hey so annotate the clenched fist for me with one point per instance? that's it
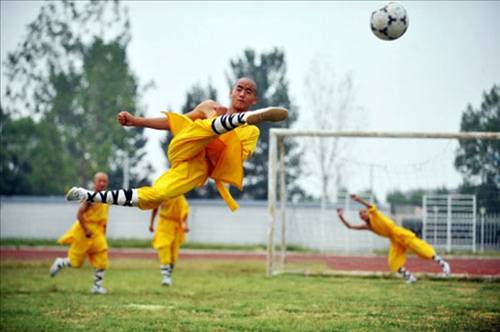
(125, 118)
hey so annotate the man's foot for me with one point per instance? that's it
(98, 290)
(56, 267)
(167, 281)
(272, 114)
(76, 194)
(446, 269)
(411, 280)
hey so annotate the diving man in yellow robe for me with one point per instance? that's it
(210, 141)
(87, 238)
(401, 239)
(169, 233)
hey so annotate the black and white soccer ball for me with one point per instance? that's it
(390, 21)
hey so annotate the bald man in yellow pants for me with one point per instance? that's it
(401, 239)
(210, 141)
(169, 234)
(87, 239)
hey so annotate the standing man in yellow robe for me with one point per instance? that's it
(210, 141)
(87, 238)
(169, 234)
(401, 239)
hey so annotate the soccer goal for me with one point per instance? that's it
(304, 230)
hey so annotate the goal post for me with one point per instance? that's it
(276, 164)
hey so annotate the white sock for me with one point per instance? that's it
(123, 197)
(98, 278)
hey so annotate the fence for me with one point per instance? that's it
(487, 231)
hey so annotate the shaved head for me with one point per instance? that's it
(243, 95)
(246, 81)
(100, 181)
(100, 175)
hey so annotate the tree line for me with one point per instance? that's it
(70, 76)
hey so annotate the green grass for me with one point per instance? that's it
(132, 243)
(236, 296)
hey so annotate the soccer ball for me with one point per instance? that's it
(390, 21)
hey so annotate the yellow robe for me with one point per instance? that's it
(169, 234)
(197, 153)
(95, 247)
(401, 239)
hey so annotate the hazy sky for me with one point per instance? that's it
(421, 82)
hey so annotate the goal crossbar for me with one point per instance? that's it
(276, 137)
(383, 134)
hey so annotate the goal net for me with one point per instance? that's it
(409, 176)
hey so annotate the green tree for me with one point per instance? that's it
(74, 83)
(479, 160)
(28, 163)
(413, 196)
(268, 70)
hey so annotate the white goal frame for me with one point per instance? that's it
(277, 149)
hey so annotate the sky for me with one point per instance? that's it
(423, 81)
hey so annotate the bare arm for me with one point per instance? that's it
(81, 219)
(358, 199)
(340, 213)
(128, 120)
(207, 109)
(152, 220)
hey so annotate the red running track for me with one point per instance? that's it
(462, 266)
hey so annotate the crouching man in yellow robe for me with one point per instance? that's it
(169, 234)
(401, 239)
(87, 238)
(210, 141)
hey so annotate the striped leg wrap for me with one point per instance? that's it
(227, 122)
(98, 277)
(166, 270)
(438, 259)
(64, 262)
(123, 197)
(405, 273)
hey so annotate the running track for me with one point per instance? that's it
(469, 267)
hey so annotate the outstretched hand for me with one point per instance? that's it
(340, 212)
(354, 197)
(125, 118)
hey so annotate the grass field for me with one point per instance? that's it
(236, 296)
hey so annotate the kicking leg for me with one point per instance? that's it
(123, 197)
(225, 123)
(180, 179)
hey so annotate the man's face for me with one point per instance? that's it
(100, 182)
(243, 95)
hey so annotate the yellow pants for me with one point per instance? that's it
(167, 241)
(186, 153)
(95, 248)
(397, 252)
